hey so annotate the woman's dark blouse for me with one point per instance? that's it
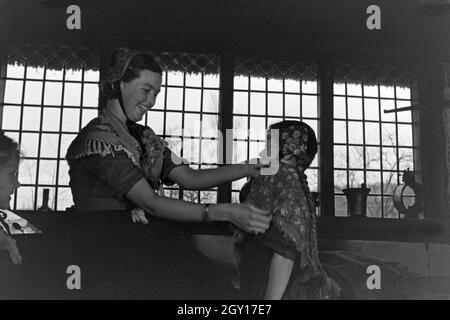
(102, 182)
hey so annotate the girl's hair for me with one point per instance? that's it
(8, 149)
(311, 146)
(142, 61)
(126, 66)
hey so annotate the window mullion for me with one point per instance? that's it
(326, 154)
(226, 118)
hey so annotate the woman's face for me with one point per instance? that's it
(8, 181)
(139, 95)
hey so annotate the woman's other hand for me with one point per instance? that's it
(138, 216)
(7, 243)
(249, 218)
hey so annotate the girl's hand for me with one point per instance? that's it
(138, 216)
(249, 218)
(7, 243)
(253, 167)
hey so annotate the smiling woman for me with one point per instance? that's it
(118, 167)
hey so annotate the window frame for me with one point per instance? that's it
(396, 171)
(262, 65)
(37, 186)
(325, 66)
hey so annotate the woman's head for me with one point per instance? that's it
(9, 163)
(134, 77)
(296, 140)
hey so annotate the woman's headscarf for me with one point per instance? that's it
(119, 64)
(296, 139)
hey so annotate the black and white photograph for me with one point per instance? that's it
(224, 151)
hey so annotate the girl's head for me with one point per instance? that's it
(9, 163)
(296, 142)
(134, 77)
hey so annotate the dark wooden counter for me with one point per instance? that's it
(345, 228)
(46, 256)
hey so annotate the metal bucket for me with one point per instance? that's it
(356, 201)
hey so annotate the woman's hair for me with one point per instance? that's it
(8, 149)
(311, 145)
(125, 65)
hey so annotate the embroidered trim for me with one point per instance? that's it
(95, 146)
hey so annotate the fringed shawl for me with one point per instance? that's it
(106, 135)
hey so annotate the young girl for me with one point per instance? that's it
(9, 163)
(291, 268)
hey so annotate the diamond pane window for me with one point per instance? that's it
(371, 146)
(50, 93)
(267, 92)
(186, 115)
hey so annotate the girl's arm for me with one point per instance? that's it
(7, 243)
(245, 216)
(279, 275)
(208, 178)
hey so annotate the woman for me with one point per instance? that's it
(293, 270)
(9, 163)
(117, 164)
(284, 263)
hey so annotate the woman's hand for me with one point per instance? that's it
(249, 218)
(253, 167)
(7, 243)
(138, 216)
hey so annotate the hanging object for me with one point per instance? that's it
(410, 192)
(357, 201)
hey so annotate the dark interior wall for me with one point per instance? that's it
(266, 27)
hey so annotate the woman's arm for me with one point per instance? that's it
(244, 216)
(279, 275)
(209, 178)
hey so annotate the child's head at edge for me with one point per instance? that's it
(9, 163)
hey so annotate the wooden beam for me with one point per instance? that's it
(326, 151)
(226, 117)
(430, 93)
